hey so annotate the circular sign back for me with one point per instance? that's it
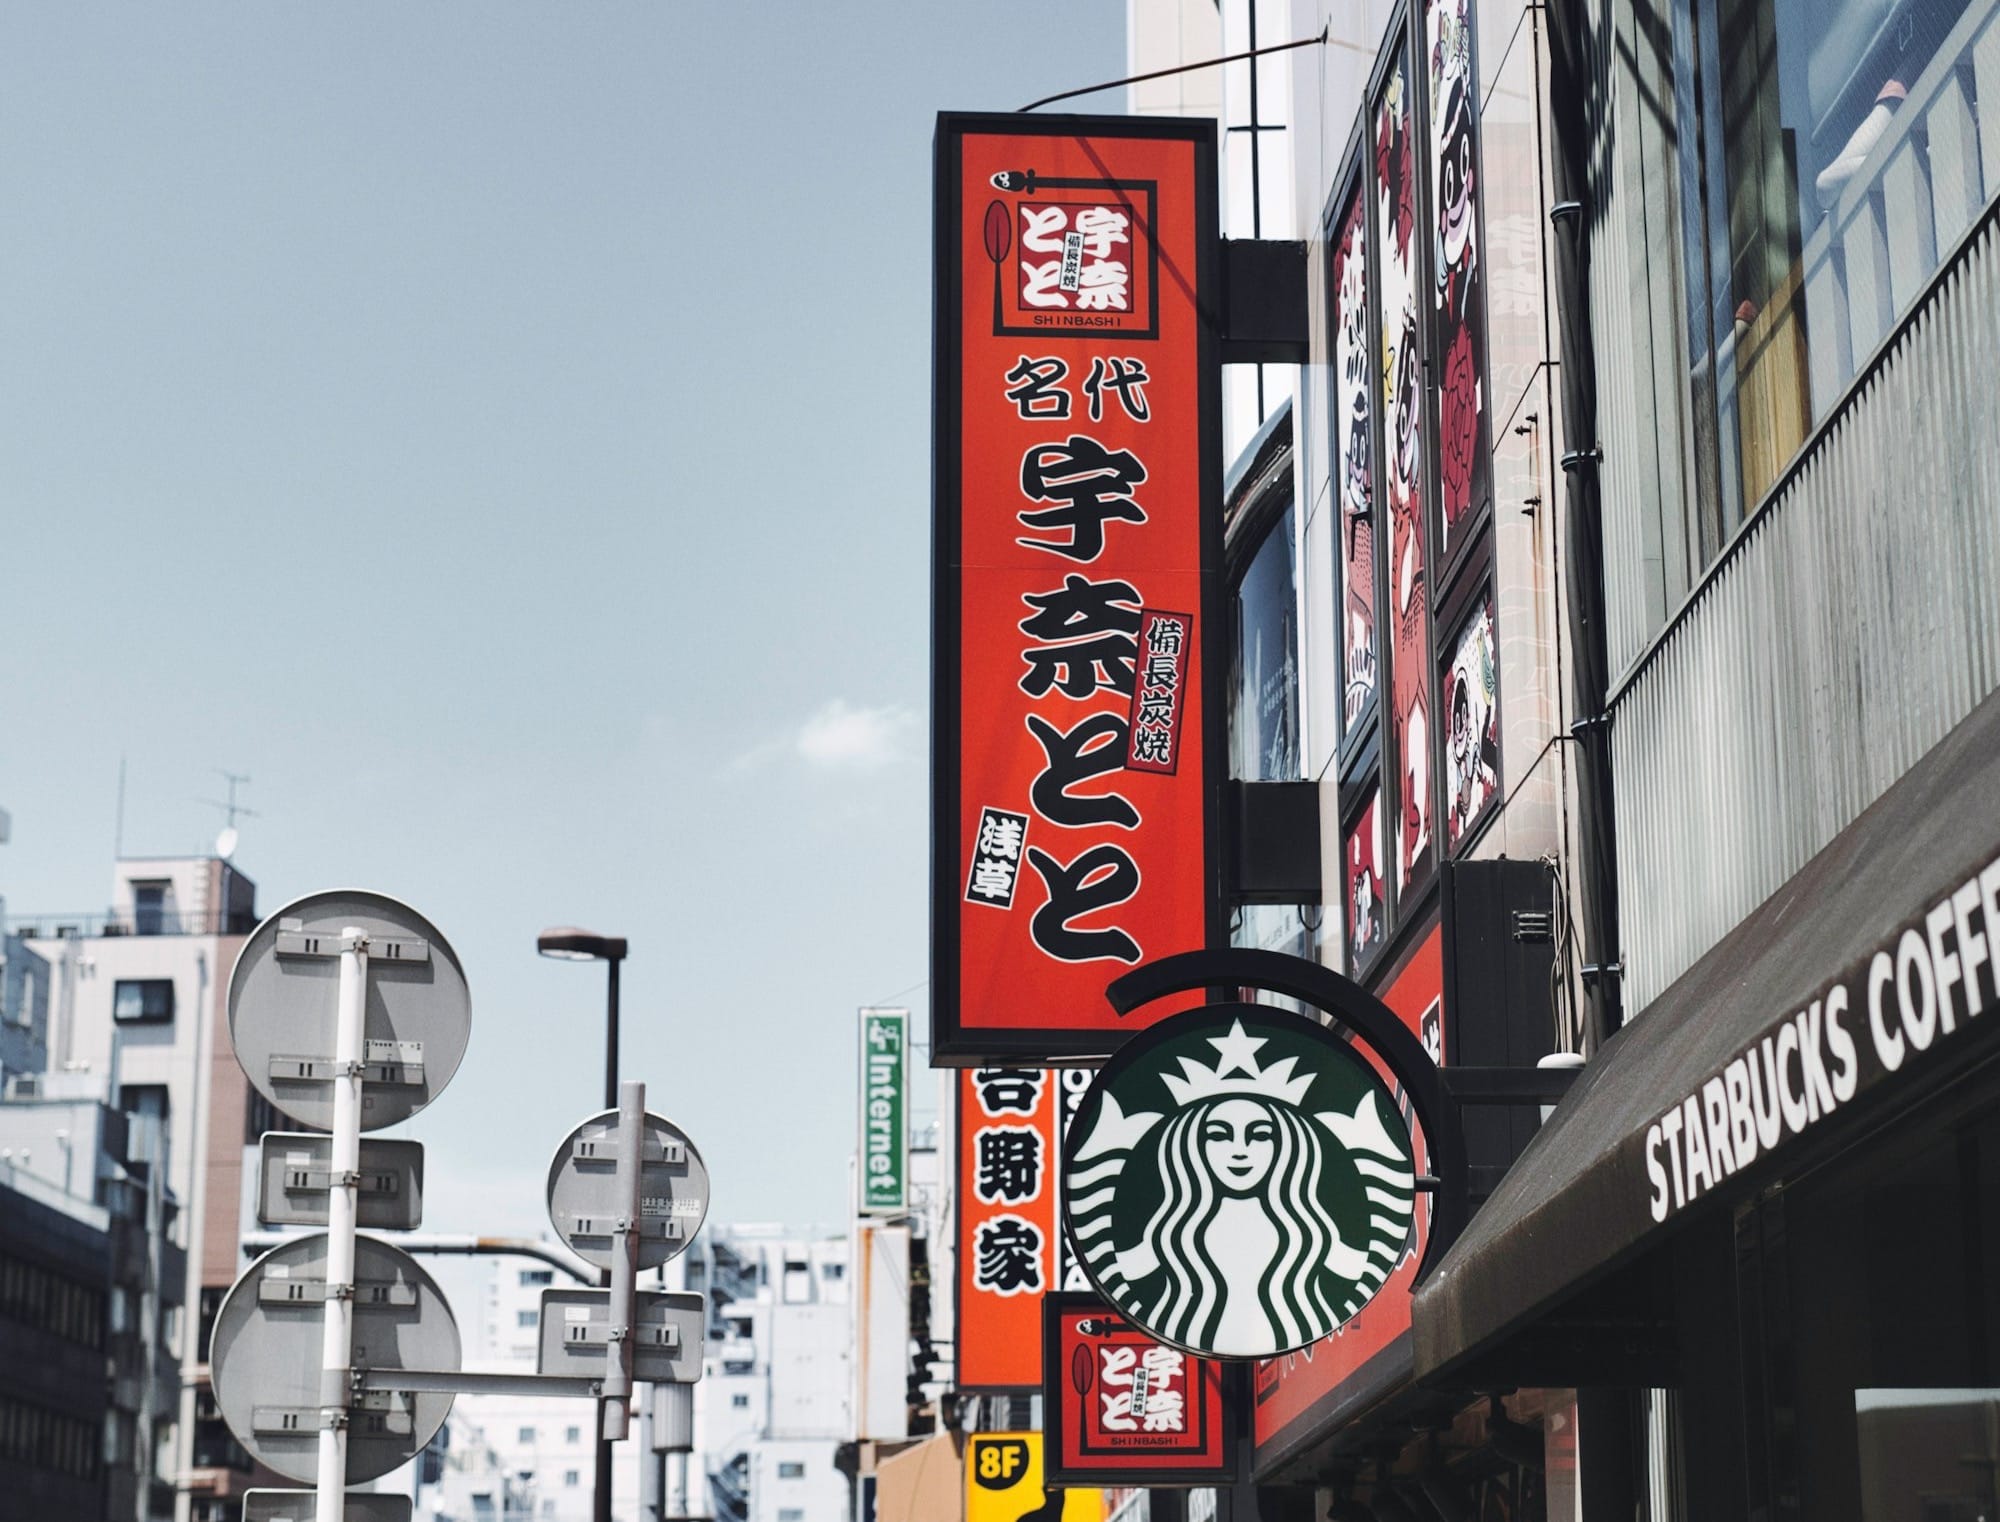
(284, 992)
(1239, 1181)
(264, 1360)
(584, 1205)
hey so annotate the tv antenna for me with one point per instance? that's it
(225, 842)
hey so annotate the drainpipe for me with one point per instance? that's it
(1577, 100)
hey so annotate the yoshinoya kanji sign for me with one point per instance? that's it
(1008, 1130)
(1120, 1408)
(1239, 1184)
(1076, 765)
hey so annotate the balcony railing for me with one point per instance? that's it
(83, 927)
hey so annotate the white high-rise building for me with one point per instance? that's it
(772, 1407)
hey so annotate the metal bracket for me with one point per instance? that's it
(661, 1228)
(294, 940)
(465, 1382)
(321, 1180)
(604, 1149)
(382, 1062)
(1577, 458)
(589, 1334)
(1563, 209)
(1592, 971)
(364, 1292)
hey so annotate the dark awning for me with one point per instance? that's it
(1632, 1152)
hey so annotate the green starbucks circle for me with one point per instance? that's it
(1239, 1181)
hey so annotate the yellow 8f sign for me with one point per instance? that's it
(1004, 1484)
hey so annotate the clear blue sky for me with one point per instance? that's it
(502, 430)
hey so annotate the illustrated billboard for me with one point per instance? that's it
(1120, 1408)
(1077, 760)
(885, 1112)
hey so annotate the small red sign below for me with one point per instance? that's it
(1123, 1409)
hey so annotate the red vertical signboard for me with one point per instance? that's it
(1076, 758)
(1009, 1223)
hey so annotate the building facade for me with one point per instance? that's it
(1615, 589)
(772, 1408)
(1644, 551)
(138, 1021)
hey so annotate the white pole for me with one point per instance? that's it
(625, 1265)
(336, 1350)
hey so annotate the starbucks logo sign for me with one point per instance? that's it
(1239, 1181)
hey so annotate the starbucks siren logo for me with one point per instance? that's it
(1239, 1194)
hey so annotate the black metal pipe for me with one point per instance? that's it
(1577, 94)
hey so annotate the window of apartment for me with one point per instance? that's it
(532, 1276)
(740, 1402)
(791, 1514)
(833, 1270)
(148, 1126)
(1830, 157)
(571, 1479)
(572, 1434)
(142, 1001)
(525, 1435)
(149, 908)
(791, 1471)
(527, 1318)
(1264, 674)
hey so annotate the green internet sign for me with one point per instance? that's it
(885, 1112)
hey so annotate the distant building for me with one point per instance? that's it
(24, 1009)
(772, 1407)
(91, 1294)
(137, 1020)
(544, 1446)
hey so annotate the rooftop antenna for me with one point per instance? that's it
(225, 843)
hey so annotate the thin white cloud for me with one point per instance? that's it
(839, 736)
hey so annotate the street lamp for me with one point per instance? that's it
(569, 944)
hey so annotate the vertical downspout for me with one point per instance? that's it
(1578, 104)
(1611, 1420)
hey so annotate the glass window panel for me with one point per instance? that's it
(1836, 150)
(1264, 708)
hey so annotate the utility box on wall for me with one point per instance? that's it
(1499, 952)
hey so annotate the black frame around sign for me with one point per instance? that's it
(1039, 1046)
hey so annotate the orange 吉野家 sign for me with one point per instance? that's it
(1076, 754)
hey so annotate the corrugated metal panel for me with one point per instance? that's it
(1850, 626)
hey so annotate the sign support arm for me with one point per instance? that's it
(337, 1328)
